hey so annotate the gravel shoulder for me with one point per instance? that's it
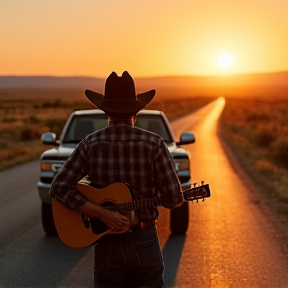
(271, 209)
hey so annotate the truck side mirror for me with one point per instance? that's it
(49, 139)
(186, 138)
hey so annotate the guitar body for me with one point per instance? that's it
(77, 230)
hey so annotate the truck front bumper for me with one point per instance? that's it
(43, 191)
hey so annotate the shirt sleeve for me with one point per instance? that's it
(168, 184)
(63, 186)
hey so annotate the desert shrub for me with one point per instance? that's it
(33, 119)
(257, 116)
(55, 125)
(266, 168)
(264, 137)
(280, 153)
(74, 106)
(29, 133)
(236, 129)
(9, 119)
(56, 103)
(3, 144)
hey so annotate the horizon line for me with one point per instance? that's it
(143, 77)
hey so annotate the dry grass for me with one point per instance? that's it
(27, 113)
(24, 116)
(257, 131)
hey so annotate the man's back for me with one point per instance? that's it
(139, 158)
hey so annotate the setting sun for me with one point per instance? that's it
(225, 60)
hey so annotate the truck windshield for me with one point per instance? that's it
(82, 125)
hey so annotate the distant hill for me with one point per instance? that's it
(266, 84)
(48, 82)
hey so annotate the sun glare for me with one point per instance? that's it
(225, 60)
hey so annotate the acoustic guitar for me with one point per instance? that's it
(78, 230)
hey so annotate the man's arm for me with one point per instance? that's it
(168, 182)
(63, 190)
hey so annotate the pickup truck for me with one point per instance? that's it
(83, 122)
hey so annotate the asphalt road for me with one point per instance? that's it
(231, 241)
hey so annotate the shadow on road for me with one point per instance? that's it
(172, 252)
(49, 261)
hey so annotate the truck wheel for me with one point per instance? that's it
(179, 219)
(47, 219)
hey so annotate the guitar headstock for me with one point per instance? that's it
(197, 192)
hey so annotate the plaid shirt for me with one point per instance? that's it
(120, 153)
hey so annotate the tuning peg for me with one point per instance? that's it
(202, 182)
(195, 184)
(203, 199)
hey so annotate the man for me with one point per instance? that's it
(123, 153)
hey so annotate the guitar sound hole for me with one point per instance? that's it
(97, 225)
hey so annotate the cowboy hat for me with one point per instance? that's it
(120, 95)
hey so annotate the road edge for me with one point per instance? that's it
(269, 208)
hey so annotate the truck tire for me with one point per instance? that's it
(179, 219)
(47, 219)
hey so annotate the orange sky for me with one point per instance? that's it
(145, 37)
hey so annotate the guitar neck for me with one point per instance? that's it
(191, 194)
(139, 204)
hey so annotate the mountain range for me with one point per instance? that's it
(265, 84)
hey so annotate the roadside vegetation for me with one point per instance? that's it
(256, 130)
(25, 114)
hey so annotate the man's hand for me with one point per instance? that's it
(113, 219)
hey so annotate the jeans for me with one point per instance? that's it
(132, 259)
